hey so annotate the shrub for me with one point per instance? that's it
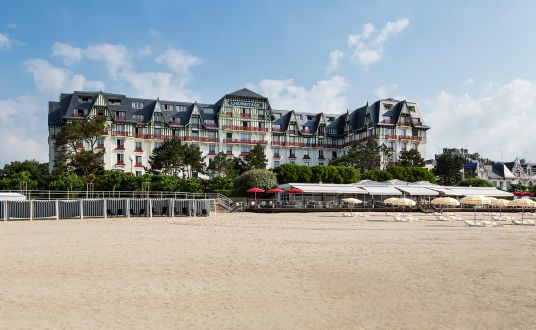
(256, 178)
(475, 182)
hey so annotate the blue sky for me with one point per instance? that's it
(469, 66)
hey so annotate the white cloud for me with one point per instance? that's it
(115, 57)
(335, 58)
(324, 96)
(24, 130)
(178, 60)
(154, 33)
(367, 47)
(52, 80)
(158, 84)
(69, 54)
(501, 119)
(386, 91)
(469, 81)
(5, 42)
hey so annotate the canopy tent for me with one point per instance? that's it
(382, 190)
(328, 188)
(483, 191)
(417, 190)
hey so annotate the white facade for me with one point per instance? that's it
(234, 125)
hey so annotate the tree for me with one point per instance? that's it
(35, 175)
(112, 179)
(67, 181)
(448, 169)
(256, 158)
(219, 183)
(169, 157)
(377, 175)
(410, 158)
(164, 182)
(256, 178)
(193, 159)
(475, 182)
(70, 156)
(411, 173)
(221, 165)
(364, 156)
(286, 173)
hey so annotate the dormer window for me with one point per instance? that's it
(208, 111)
(157, 118)
(309, 117)
(114, 101)
(83, 99)
(330, 119)
(137, 105)
(138, 118)
(168, 107)
(180, 108)
(387, 106)
(79, 112)
(120, 115)
(261, 112)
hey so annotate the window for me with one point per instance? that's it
(277, 115)
(276, 128)
(330, 119)
(261, 112)
(212, 134)
(262, 124)
(276, 163)
(245, 136)
(120, 144)
(157, 144)
(157, 132)
(276, 152)
(138, 146)
(138, 173)
(114, 101)
(403, 132)
(79, 113)
(334, 154)
(195, 134)
(321, 154)
(229, 149)
(100, 142)
(292, 162)
(138, 118)
(121, 115)
(309, 117)
(208, 111)
(195, 120)
(137, 105)
(82, 99)
(306, 152)
(120, 159)
(120, 127)
(262, 137)
(138, 160)
(180, 107)
(292, 153)
(228, 135)
(321, 163)
(229, 123)
(245, 124)
(211, 149)
(245, 149)
(168, 107)
(210, 123)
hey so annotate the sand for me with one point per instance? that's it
(268, 271)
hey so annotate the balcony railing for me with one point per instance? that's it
(138, 150)
(229, 113)
(390, 136)
(243, 154)
(405, 137)
(79, 114)
(212, 153)
(245, 115)
(306, 157)
(120, 133)
(240, 141)
(277, 130)
(120, 118)
(277, 156)
(138, 165)
(198, 138)
(404, 123)
(388, 121)
(418, 123)
(210, 125)
(175, 122)
(246, 128)
(120, 147)
(100, 146)
(292, 156)
(321, 157)
(120, 163)
(306, 131)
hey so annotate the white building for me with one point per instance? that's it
(234, 124)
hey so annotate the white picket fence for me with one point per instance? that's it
(103, 208)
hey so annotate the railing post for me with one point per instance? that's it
(57, 208)
(150, 208)
(171, 210)
(31, 210)
(104, 208)
(81, 209)
(127, 207)
(5, 210)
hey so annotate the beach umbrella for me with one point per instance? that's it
(475, 200)
(274, 191)
(500, 203)
(524, 203)
(445, 201)
(294, 191)
(255, 190)
(404, 202)
(352, 200)
(390, 200)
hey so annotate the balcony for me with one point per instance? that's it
(198, 138)
(405, 137)
(210, 125)
(246, 128)
(100, 146)
(120, 163)
(390, 136)
(79, 114)
(212, 153)
(120, 118)
(120, 147)
(229, 153)
(120, 133)
(240, 141)
(391, 149)
(416, 138)
(404, 123)
(175, 122)
(388, 121)
(245, 115)
(138, 150)
(306, 131)
(292, 157)
(79, 145)
(195, 126)
(138, 165)
(418, 123)
(229, 113)
(277, 130)
(243, 154)
(306, 157)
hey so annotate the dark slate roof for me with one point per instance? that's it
(357, 118)
(244, 92)
(284, 119)
(338, 124)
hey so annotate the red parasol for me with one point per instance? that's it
(255, 190)
(294, 191)
(275, 190)
(522, 193)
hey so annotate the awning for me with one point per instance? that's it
(322, 188)
(382, 190)
(484, 191)
(417, 190)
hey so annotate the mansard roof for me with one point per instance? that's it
(244, 92)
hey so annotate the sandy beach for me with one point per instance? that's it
(316, 270)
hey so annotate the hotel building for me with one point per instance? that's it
(234, 124)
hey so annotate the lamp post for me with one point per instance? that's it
(131, 165)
